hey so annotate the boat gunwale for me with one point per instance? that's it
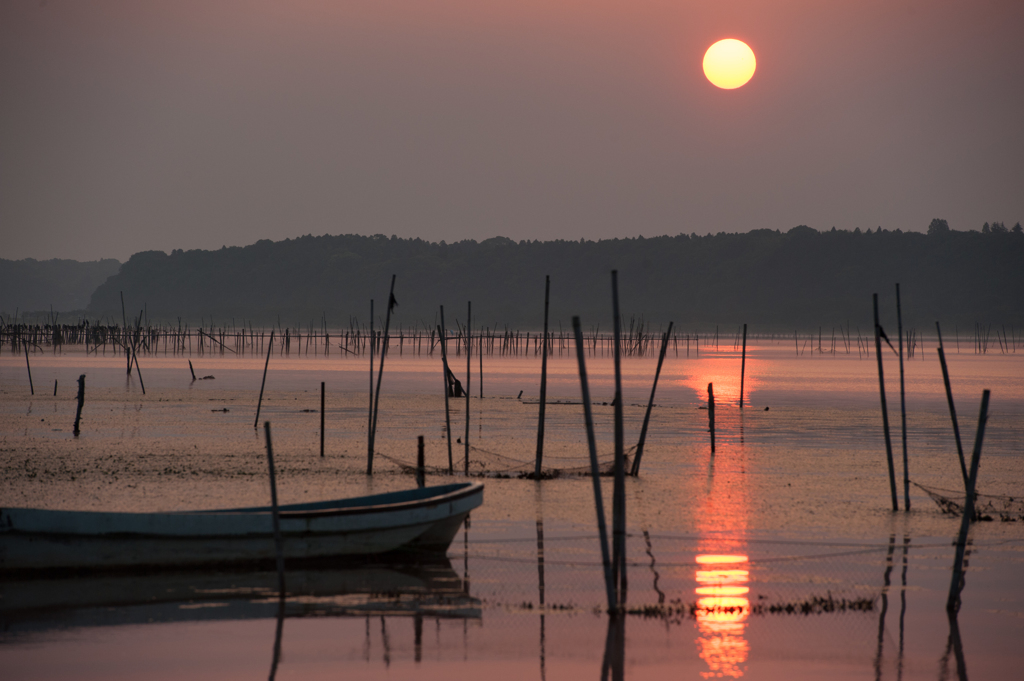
(291, 512)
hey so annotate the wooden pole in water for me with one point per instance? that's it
(543, 382)
(635, 470)
(28, 366)
(952, 407)
(81, 402)
(278, 543)
(619, 489)
(369, 418)
(903, 404)
(193, 371)
(743, 364)
(957, 584)
(380, 373)
(421, 473)
(595, 470)
(443, 338)
(322, 401)
(469, 366)
(55, 387)
(711, 415)
(259, 404)
(885, 410)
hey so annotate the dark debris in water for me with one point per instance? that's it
(676, 610)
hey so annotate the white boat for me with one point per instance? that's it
(425, 519)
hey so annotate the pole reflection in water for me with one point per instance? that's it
(953, 645)
(614, 661)
(278, 632)
(540, 589)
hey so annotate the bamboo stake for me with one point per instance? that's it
(619, 489)
(957, 584)
(711, 415)
(952, 407)
(469, 366)
(635, 470)
(421, 473)
(28, 366)
(270, 349)
(885, 410)
(743, 362)
(81, 402)
(903, 404)
(443, 340)
(543, 381)
(369, 417)
(595, 471)
(380, 373)
(322, 401)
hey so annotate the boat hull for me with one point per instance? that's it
(425, 519)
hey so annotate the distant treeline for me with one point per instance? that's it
(37, 285)
(776, 281)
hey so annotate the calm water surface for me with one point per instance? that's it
(792, 513)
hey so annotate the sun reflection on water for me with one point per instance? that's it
(723, 568)
(722, 612)
(724, 373)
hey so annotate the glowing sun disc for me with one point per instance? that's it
(729, 63)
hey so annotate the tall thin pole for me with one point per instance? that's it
(28, 366)
(711, 414)
(595, 470)
(322, 400)
(743, 363)
(259, 404)
(619, 490)
(952, 407)
(469, 366)
(278, 543)
(635, 470)
(369, 417)
(380, 373)
(443, 338)
(421, 473)
(885, 410)
(957, 584)
(543, 381)
(903, 404)
(81, 401)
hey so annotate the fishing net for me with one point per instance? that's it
(986, 506)
(487, 464)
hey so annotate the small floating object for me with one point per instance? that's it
(225, 410)
(207, 378)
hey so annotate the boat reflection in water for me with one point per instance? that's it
(426, 587)
(722, 612)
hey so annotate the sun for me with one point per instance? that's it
(729, 63)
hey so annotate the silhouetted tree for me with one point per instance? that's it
(938, 227)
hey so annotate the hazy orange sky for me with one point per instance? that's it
(128, 126)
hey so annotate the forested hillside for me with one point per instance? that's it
(772, 280)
